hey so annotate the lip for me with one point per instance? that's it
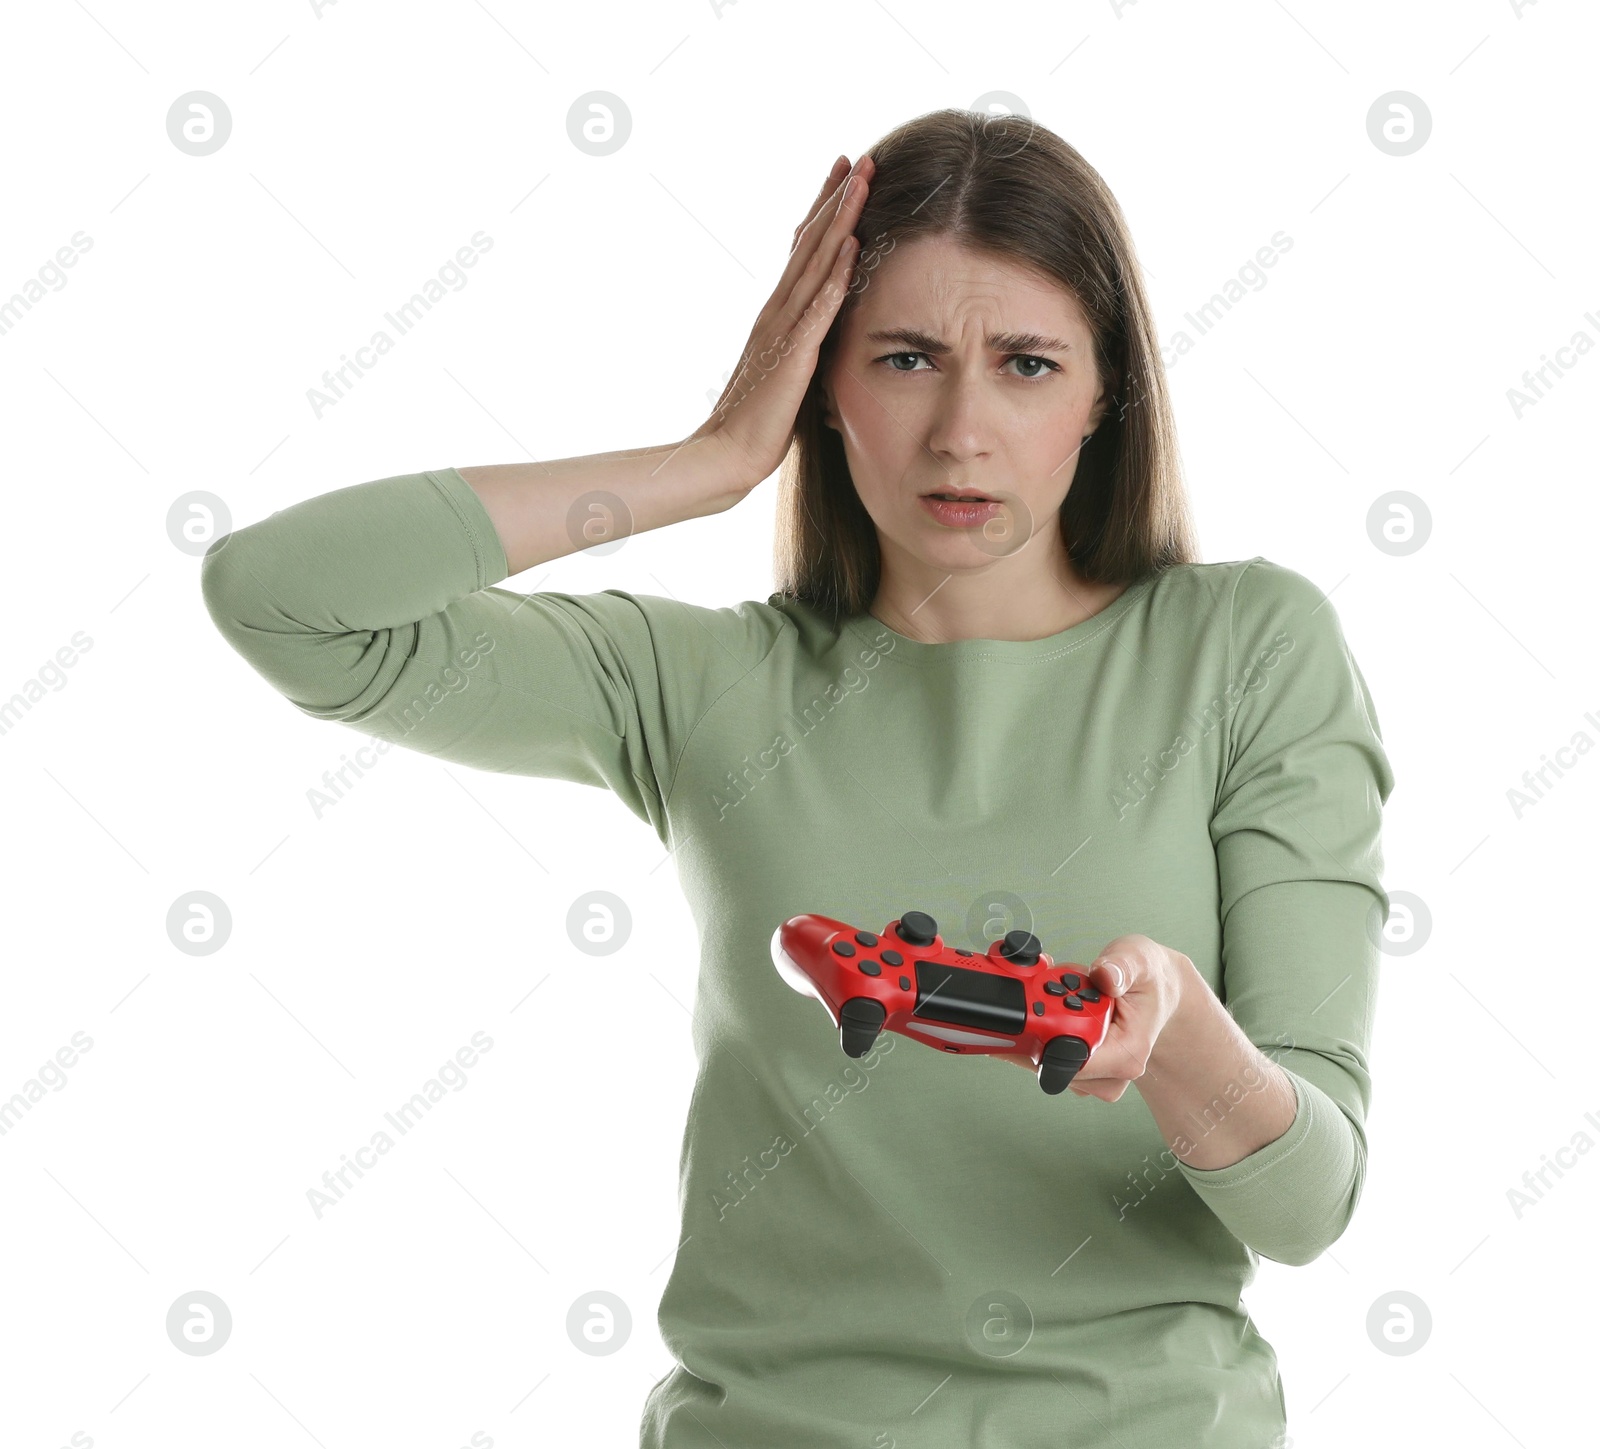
(950, 514)
(965, 493)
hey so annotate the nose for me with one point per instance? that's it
(963, 423)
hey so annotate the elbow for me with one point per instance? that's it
(1308, 1246)
(223, 581)
(1297, 1254)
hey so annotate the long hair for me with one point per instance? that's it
(1007, 186)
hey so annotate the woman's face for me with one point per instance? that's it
(960, 371)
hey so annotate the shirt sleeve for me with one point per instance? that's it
(1296, 826)
(375, 606)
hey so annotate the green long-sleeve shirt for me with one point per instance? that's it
(917, 1248)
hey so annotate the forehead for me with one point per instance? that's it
(932, 280)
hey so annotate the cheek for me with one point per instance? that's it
(876, 432)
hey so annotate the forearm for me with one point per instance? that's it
(1214, 1094)
(545, 510)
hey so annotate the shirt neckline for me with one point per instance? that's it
(1006, 651)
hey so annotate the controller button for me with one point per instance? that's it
(1055, 988)
(892, 958)
(866, 938)
(1038, 1008)
(918, 928)
(1072, 1003)
(905, 982)
(844, 948)
(1089, 993)
(1071, 982)
(960, 952)
(869, 967)
(1021, 948)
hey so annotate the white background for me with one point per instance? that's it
(367, 946)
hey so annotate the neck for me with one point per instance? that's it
(1030, 594)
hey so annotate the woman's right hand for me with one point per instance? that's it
(753, 421)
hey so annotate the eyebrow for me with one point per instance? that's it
(919, 341)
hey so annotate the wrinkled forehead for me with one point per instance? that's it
(939, 285)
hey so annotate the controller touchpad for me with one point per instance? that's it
(970, 998)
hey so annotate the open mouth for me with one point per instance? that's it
(962, 497)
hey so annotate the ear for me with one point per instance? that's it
(830, 416)
(1101, 403)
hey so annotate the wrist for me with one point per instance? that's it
(726, 473)
(1191, 997)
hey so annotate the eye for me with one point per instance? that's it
(1037, 367)
(1044, 362)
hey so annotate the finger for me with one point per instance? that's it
(808, 233)
(799, 334)
(817, 245)
(811, 326)
(830, 183)
(863, 167)
(821, 287)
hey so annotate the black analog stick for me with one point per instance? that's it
(1021, 948)
(917, 928)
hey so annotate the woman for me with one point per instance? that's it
(1035, 710)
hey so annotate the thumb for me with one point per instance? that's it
(1111, 976)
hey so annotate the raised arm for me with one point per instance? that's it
(374, 605)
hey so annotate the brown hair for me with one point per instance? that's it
(1005, 185)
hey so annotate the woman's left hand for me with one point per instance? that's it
(1148, 981)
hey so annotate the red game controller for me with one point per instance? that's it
(1014, 999)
